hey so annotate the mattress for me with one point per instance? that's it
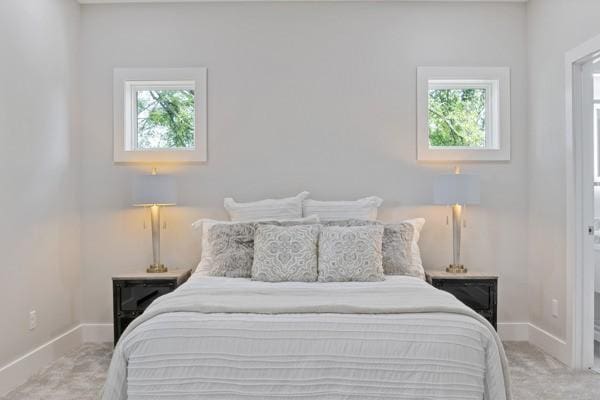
(225, 338)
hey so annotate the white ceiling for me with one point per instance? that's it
(316, 1)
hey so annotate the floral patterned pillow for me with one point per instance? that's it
(351, 253)
(284, 254)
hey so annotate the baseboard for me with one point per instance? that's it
(513, 331)
(18, 371)
(527, 332)
(550, 344)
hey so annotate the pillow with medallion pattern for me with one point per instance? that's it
(351, 253)
(285, 253)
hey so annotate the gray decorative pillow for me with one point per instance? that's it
(398, 257)
(232, 246)
(351, 254)
(399, 248)
(284, 254)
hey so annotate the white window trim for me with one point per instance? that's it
(497, 80)
(126, 79)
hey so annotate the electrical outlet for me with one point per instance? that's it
(555, 308)
(32, 320)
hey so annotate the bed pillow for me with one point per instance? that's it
(268, 209)
(285, 253)
(232, 249)
(400, 248)
(351, 253)
(340, 210)
(229, 247)
(401, 255)
(204, 225)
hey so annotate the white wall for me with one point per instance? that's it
(554, 27)
(302, 96)
(39, 174)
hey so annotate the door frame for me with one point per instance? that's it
(579, 212)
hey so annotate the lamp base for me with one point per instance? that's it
(456, 269)
(157, 268)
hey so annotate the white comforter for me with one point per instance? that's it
(223, 338)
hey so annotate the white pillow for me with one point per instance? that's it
(417, 223)
(204, 225)
(276, 209)
(339, 210)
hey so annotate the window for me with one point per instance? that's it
(463, 114)
(160, 115)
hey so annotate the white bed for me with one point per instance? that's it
(232, 338)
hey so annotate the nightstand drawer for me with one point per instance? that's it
(476, 295)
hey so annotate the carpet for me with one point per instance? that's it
(536, 376)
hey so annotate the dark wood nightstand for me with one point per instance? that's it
(478, 291)
(133, 293)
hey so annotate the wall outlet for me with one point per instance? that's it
(555, 308)
(32, 320)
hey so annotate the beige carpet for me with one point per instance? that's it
(536, 376)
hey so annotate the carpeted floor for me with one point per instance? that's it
(535, 376)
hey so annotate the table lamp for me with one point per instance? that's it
(154, 191)
(456, 190)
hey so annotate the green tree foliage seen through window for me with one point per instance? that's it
(457, 117)
(166, 119)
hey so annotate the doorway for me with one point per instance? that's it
(583, 203)
(593, 67)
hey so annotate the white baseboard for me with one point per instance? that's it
(527, 332)
(514, 331)
(97, 333)
(18, 371)
(550, 344)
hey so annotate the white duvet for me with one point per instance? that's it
(225, 338)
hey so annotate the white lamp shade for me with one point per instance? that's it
(151, 190)
(462, 189)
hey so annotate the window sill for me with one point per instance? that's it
(159, 156)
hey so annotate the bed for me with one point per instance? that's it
(234, 338)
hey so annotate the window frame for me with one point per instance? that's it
(494, 79)
(126, 83)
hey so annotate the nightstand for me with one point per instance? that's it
(133, 293)
(477, 291)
